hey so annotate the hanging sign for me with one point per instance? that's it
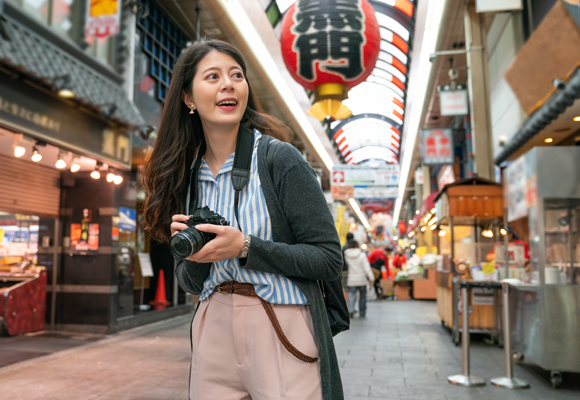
(515, 175)
(103, 18)
(437, 146)
(453, 102)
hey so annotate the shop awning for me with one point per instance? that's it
(28, 53)
(560, 100)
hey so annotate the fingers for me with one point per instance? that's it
(176, 227)
(180, 217)
(217, 229)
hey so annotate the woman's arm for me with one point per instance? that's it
(192, 275)
(367, 268)
(317, 253)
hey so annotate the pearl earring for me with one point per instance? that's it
(192, 110)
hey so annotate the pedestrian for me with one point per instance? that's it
(285, 243)
(359, 270)
(344, 275)
(378, 258)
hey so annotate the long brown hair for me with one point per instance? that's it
(180, 135)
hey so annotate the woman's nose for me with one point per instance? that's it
(227, 84)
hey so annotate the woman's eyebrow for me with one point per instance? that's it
(232, 67)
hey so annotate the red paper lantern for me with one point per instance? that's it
(402, 228)
(330, 46)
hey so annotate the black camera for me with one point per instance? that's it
(189, 241)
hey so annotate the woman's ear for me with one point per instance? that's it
(187, 99)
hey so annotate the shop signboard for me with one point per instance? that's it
(103, 18)
(145, 264)
(127, 219)
(84, 231)
(364, 183)
(437, 146)
(446, 176)
(46, 118)
(516, 188)
(453, 102)
(488, 6)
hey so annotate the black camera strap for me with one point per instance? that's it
(242, 166)
(240, 170)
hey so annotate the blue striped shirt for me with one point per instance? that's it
(218, 194)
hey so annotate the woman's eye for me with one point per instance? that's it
(238, 75)
(212, 76)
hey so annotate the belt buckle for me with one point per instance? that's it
(219, 289)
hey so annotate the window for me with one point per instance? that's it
(57, 13)
(161, 40)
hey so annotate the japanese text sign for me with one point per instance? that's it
(103, 18)
(437, 146)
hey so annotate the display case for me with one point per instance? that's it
(469, 215)
(545, 185)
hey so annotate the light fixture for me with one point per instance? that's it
(118, 179)
(442, 233)
(548, 140)
(358, 212)
(36, 156)
(487, 233)
(413, 247)
(411, 222)
(74, 166)
(363, 246)
(433, 210)
(502, 231)
(577, 119)
(423, 228)
(96, 174)
(433, 227)
(395, 238)
(110, 177)
(411, 234)
(417, 212)
(60, 164)
(65, 86)
(433, 220)
(18, 150)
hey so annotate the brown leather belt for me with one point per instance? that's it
(247, 289)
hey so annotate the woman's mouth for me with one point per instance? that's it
(227, 105)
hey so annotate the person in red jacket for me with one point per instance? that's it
(377, 258)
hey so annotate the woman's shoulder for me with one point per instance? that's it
(285, 154)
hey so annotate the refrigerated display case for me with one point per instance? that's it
(547, 305)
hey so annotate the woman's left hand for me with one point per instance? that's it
(227, 244)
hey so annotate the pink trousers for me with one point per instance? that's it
(238, 356)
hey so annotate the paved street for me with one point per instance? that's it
(400, 351)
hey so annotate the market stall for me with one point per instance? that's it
(544, 186)
(468, 217)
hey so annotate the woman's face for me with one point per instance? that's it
(220, 90)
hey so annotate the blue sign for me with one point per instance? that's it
(127, 219)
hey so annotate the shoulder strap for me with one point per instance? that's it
(242, 165)
(191, 199)
(270, 156)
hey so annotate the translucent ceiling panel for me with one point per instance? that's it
(371, 152)
(387, 22)
(395, 39)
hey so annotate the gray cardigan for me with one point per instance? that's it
(306, 247)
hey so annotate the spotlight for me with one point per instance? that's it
(577, 119)
(110, 177)
(65, 87)
(60, 164)
(118, 179)
(442, 233)
(413, 247)
(96, 174)
(411, 222)
(417, 212)
(395, 238)
(74, 166)
(36, 156)
(487, 233)
(19, 151)
(433, 210)
(502, 231)
(548, 140)
(423, 229)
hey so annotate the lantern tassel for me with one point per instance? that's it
(329, 107)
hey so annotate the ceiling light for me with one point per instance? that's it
(417, 212)
(110, 177)
(19, 151)
(411, 222)
(36, 156)
(118, 179)
(96, 174)
(423, 228)
(433, 227)
(548, 140)
(502, 231)
(411, 234)
(433, 221)
(358, 212)
(433, 210)
(363, 246)
(442, 233)
(60, 164)
(74, 166)
(65, 87)
(577, 118)
(413, 247)
(487, 233)
(395, 238)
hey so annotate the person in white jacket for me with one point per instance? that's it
(359, 270)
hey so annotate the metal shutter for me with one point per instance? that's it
(28, 188)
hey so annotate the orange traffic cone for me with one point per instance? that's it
(160, 301)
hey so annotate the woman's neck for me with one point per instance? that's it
(220, 144)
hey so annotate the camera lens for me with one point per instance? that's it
(186, 243)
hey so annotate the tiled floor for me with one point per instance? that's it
(400, 351)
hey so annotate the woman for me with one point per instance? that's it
(359, 270)
(286, 243)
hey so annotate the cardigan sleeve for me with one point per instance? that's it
(316, 254)
(192, 275)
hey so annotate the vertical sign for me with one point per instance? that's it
(103, 18)
(516, 187)
(437, 146)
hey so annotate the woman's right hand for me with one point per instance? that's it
(177, 224)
